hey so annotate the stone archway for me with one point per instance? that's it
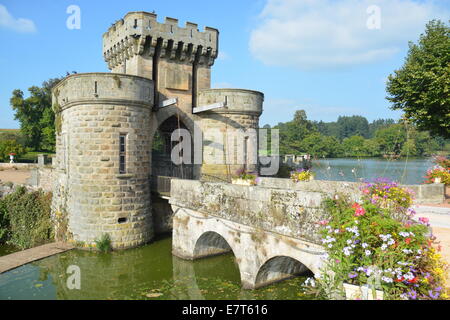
(279, 268)
(164, 123)
(211, 243)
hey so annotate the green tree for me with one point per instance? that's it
(421, 88)
(293, 132)
(321, 146)
(353, 126)
(391, 139)
(37, 119)
(354, 146)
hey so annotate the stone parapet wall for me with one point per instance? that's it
(238, 101)
(103, 88)
(424, 193)
(289, 212)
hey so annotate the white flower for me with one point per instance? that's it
(347, 251)
(383, 247)
(408, 276)
(349, 241)
(387, 279)
(367, 252)
(364, 245)
(407, 251)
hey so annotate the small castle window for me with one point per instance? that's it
(135, 23)
(122, 220)
(122, 153)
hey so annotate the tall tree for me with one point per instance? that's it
(421, 88)
(35, 114)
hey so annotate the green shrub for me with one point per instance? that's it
(4, 221)
(104, 243)
(10, 146)
(29, 217)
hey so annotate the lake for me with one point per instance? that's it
(404, 171)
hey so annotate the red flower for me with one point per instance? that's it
(399, 280)
(355, 205)
(414, 280)
(408, 240)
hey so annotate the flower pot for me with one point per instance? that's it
(353, 292)
(243, 182)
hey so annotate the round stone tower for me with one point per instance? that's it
(230, 133)
(102, 158)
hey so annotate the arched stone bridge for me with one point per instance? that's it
(271, 230)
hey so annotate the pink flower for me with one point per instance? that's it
(323, 222)
(424, 220)
(366, 191)
(359, 212)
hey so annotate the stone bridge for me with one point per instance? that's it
(271, 229)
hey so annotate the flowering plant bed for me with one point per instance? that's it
(387, 194)
(243, 177)
(302, 175)
(440, 173)
(366, 245)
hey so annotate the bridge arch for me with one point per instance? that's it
(211, 243)
(279, 268)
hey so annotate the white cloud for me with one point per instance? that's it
(19, 25)
(318, 34)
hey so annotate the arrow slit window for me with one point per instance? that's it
(122, 153)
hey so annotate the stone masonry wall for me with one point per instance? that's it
(243, 108)
(98, 198)
(289, 212)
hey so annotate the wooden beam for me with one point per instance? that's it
(210, 107)
(168, 102)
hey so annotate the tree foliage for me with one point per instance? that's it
(10, 146)
(35, 114)
(355, 137)
(421, 87)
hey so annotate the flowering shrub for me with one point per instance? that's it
(366, 245)
(301, 175)
(389, 195)
(442, 162)
(245, 175)
(441, 171)
(442, 174)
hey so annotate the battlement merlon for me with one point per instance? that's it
(138, 30)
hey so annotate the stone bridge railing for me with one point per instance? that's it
(293, 213)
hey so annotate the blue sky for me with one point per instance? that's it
(328, 57)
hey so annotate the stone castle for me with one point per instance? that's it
(107, 125)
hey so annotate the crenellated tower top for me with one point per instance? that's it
(139, 30)
(177, 59)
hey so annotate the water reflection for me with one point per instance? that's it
(149, 272)
(405, 171)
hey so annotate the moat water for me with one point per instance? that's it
(149, 272)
